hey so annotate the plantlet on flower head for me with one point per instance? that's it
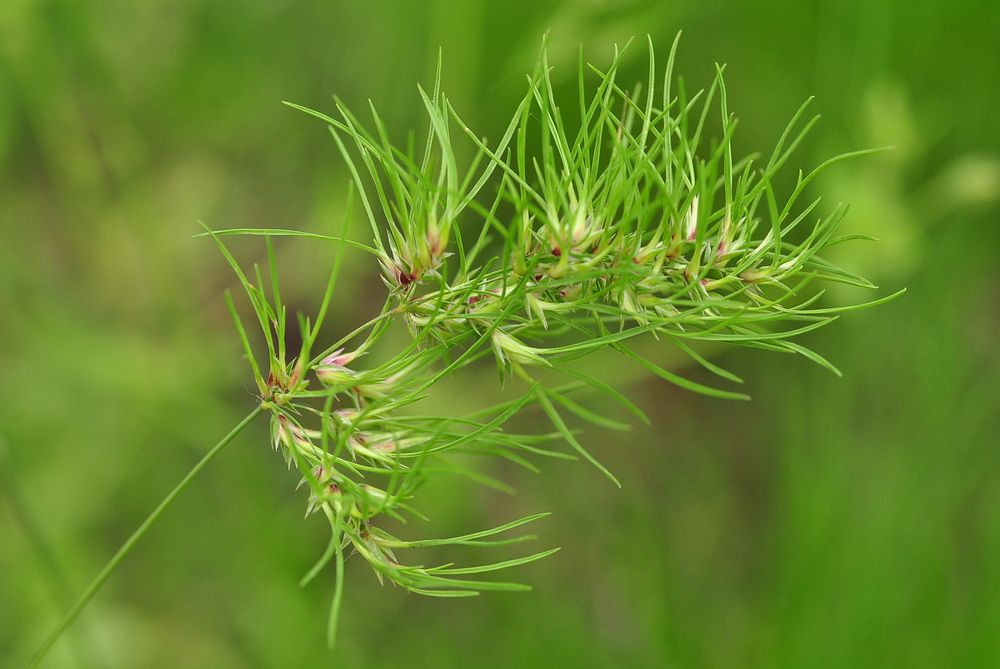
(562, 237)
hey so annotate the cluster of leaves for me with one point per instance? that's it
(576, 231)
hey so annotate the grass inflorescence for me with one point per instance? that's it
(571, 233)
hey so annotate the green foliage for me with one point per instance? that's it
(562, 238)
(828, 523)
(633, 225)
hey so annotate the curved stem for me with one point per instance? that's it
(126, 547)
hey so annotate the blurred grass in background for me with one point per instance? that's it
(828, 523)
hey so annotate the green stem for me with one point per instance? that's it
(45, 557)
(126, 547)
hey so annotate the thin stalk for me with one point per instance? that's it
(46, 558)
(130, 543)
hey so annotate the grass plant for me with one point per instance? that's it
(588, 225)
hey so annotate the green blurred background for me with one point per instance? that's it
(829, 523)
